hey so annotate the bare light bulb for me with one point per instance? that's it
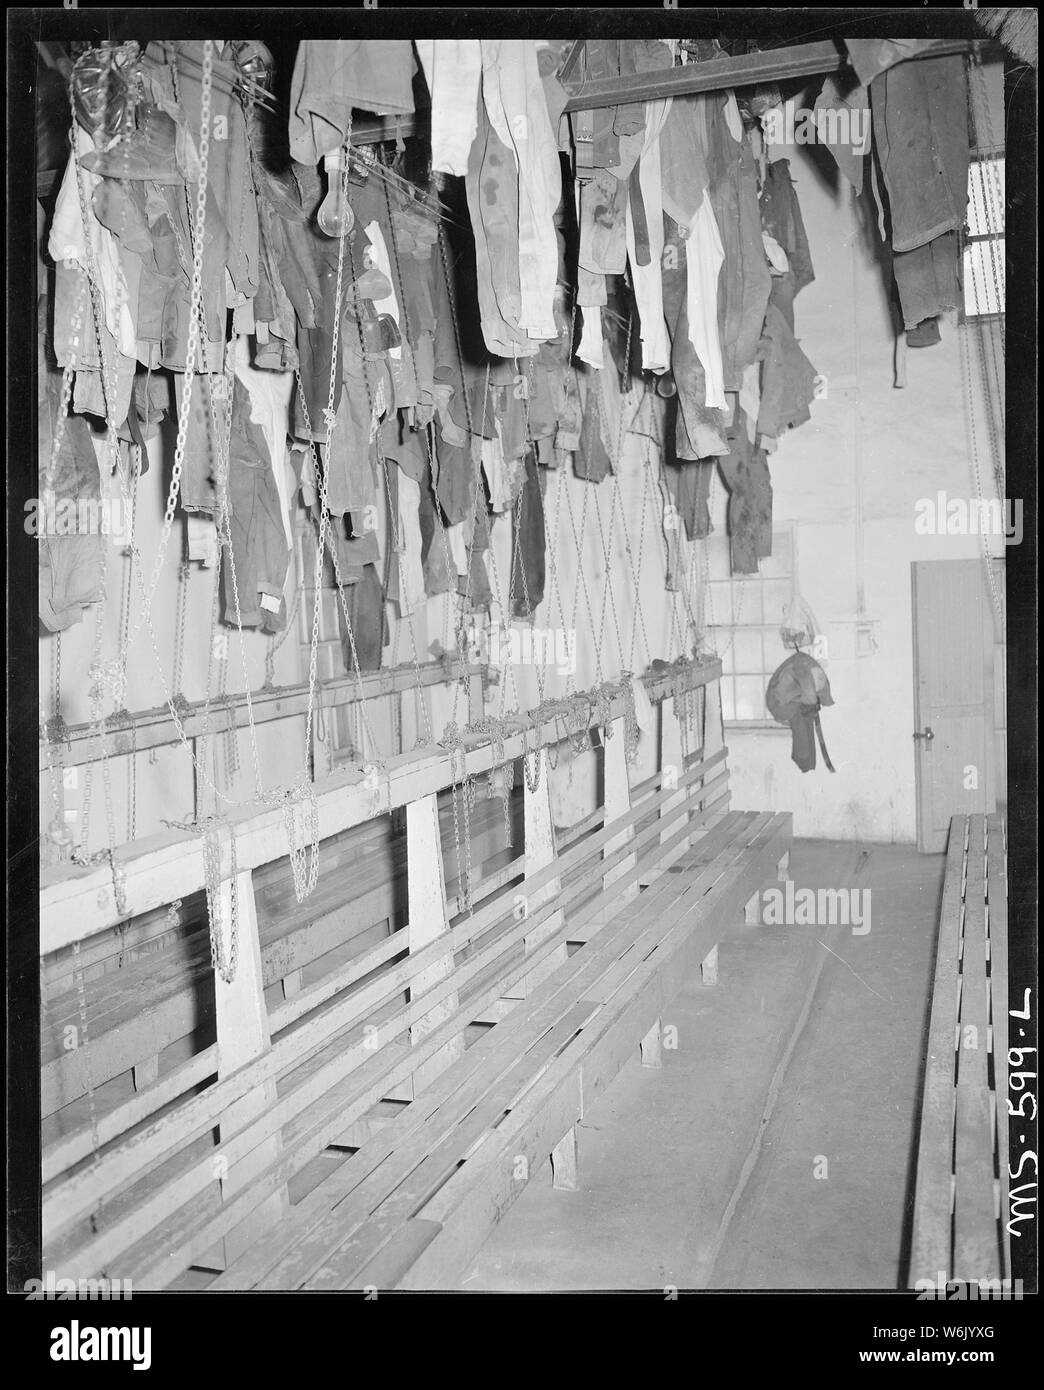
(335, 215)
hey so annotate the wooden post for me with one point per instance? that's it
(652, 1047)
(242, 1035)
(713, 737)
(671, 766)
(144, 1073)
(616, 799)
(564, 1175)
(617, 804)
(427, 920)
(539, 852)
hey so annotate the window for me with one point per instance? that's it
(743, 615)
(984, 240)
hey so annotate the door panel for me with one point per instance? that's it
(953, 696)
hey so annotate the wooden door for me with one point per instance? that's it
(953, 734)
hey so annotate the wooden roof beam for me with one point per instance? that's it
(775, 64)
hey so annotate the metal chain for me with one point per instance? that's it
(195, 302)
(453, 742)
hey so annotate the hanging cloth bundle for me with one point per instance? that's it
(796, 693)
(799, 627)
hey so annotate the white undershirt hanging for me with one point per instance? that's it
(269, 394)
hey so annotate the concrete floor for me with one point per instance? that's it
(773, 1149)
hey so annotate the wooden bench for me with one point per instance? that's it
(414, 1204)
(148, 993)
(962, 1158)
(454, 1041)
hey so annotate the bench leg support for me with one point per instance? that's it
(145, 1073)
(752, 910)
(783, 868)
(564, 1163)
(709, 968)
(652, 1050)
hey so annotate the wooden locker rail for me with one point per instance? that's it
(961, 1193)
(76, 902)
(154, 728)
(145, 987)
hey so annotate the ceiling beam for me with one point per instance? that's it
(773, 65)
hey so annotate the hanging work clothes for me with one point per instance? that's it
(928, 283)
(258, 549)
(363, 601)
(592, 461)
(228, 171)
(698, 428)
(683, 146)
(781, 219)
(788, 378)
(177, 306)
(846, 109)
(453, 71)
(270, 408)
(603, 232)
(409, 568)
(207, 425)
(796, 692)
(528, 543)
(282, 298)
(492, 183)
(440, 575)
(745, 281)
(744, 471)
(514, 99)
(460, 358)
(151, 404)
(70, 564)
(689, 484)
(644, 225)
(356, 545)
(333, 76)
(69, 241)
(456, 470)
(920, 119)
(315, 346)
(475, 585)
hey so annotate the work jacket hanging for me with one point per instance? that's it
(796, 692)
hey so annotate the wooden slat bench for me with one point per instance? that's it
(456, 1040)
(148, 988)
(412, 1206)
(962, 1158)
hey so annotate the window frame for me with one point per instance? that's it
(766, 723)
(977, 156)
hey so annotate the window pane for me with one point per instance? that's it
(718, 557)
(986, 197)
(728, 701)
(747, 601)
(778, 564)
(719, 604)
(984, 277)
(750, 697)
(775, 652)
(775, 597)
(748, 655)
